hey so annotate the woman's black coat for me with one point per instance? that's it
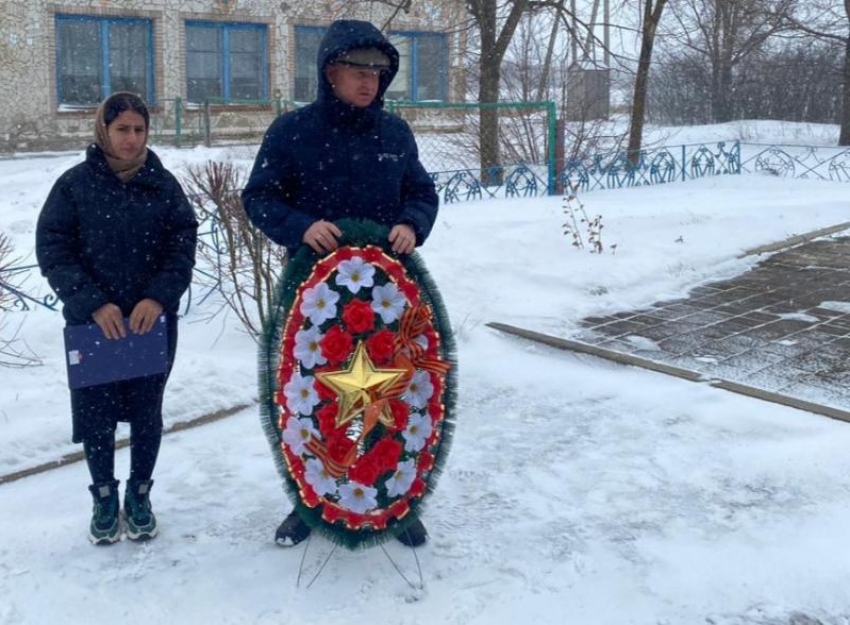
(99, 241)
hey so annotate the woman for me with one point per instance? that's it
(116, 240)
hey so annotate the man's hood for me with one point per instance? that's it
(345, 35)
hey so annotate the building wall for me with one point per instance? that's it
(30, 115)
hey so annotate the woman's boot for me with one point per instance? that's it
(141, 522)
(105, 528)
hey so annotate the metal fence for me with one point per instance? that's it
(601, 171)
(615, 170)
(797, 161)
(214, 121)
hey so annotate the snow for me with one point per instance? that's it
(577, 490)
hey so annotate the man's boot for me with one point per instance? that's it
(415, 535)
(141, 522)
(292, 531)
(105, 528)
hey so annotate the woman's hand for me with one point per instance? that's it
(322, 236)
(403, 239)
(110, 320)
(144, 315)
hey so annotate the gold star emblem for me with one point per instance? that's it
(360, 385)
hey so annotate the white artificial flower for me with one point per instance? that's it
(319, 303)
(307, 348)
(301, 396)
(298, 433)
(418, 431)
(422, 341)
(419, 391)
(317, 476)
(388, 302)
(354, 274)
(400, 481)
(357, 497)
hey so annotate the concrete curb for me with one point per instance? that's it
(120, 444)
(684, 374)
(795, 240)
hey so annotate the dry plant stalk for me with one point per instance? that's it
(245, 261)
(578, 222)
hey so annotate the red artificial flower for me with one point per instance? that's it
(324, 393)
(386, 453)
(327, 418)
(358, 316)
(381, 347)
(336, 345)
(339, 446)
(365, 471)
(401, 412)
(426, 461)
(417, 488)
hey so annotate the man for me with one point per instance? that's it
(342, 156)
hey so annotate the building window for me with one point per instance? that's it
(226, 62)
(96, 57)
(422, 73)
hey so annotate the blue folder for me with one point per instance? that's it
(93, 359)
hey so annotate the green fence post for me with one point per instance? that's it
(178, 122)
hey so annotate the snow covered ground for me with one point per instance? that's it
(577, 491)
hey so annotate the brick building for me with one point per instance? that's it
(232, 64)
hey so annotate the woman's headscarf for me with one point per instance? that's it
(125, 169)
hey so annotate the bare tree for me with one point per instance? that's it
(494, 36)
(650, 18)
(828, 20)
(245, 262)
(721, 34)
(350, 8)
(14, 353)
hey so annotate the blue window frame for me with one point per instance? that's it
(97, 56)
(226, 61)
(423, 65)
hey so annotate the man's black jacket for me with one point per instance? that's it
(330, 160)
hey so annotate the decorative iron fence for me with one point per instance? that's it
(601, 171)
(661, 165)
(15, 298)
(798, 161)
(463, 185)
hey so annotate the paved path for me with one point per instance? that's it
(783, 326)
